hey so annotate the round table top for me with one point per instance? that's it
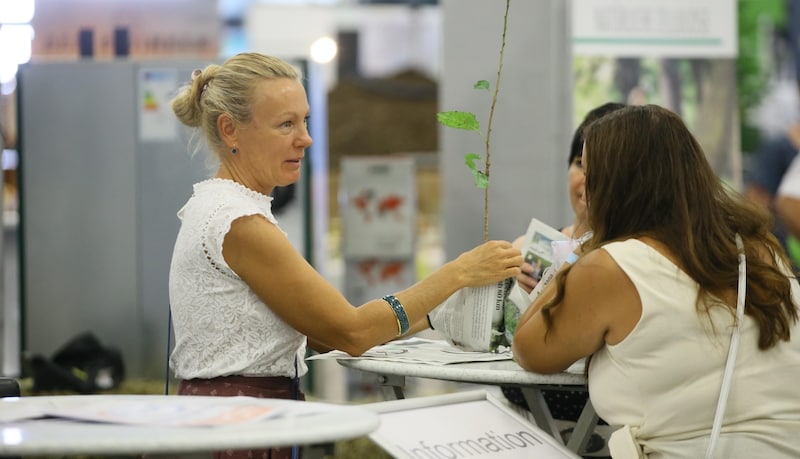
(500, 372)
(296, 423)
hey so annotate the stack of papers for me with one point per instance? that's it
(419, 350)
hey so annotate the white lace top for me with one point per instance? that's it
(221, 326)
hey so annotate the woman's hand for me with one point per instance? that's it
(525, 278)
(488, 263)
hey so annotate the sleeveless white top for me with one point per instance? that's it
(663, 380)
(221, 326)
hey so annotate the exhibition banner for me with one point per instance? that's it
(663, 28)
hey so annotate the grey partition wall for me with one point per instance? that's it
(78, 205)
(102, 180)
(532, 122)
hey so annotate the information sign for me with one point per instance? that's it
(462, 425)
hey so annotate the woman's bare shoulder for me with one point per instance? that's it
(599, 284)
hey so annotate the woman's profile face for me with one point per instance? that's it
(273, 143)
(576, 181)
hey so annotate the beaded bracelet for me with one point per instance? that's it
(399, 313)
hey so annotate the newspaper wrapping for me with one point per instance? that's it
(472, 318)
(484, 318)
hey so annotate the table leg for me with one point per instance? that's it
(540, 411)
(392, 386)
(584, 428)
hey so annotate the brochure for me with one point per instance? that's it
(537, 248)
(540, 245)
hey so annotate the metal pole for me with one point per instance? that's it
(3, 313)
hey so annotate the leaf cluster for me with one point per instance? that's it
(469, 122)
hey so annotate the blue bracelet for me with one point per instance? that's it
(399, 313)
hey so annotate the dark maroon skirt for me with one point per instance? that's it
(252, 386)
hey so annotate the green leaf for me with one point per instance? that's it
(481, 180)
(459, 120)
(481, 84)
(469, 160)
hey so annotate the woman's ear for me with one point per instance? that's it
(227, 129)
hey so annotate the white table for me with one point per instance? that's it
(302, 423)
(392, 374)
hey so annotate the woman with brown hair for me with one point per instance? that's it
(652, 298)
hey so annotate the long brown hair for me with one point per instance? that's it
(646, 175)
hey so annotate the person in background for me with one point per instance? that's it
(575, 188)
(773, 157)
(787, 199)
(768, 166)
(787, 206)
(244, 302)
(664, 236)
(566, 405)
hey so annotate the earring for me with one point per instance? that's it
(234, 150)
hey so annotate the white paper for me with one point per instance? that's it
(159, 411)
(419, 350)
(538, 246)
(430, 352)
(520, 298)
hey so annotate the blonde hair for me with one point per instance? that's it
(226, 89)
